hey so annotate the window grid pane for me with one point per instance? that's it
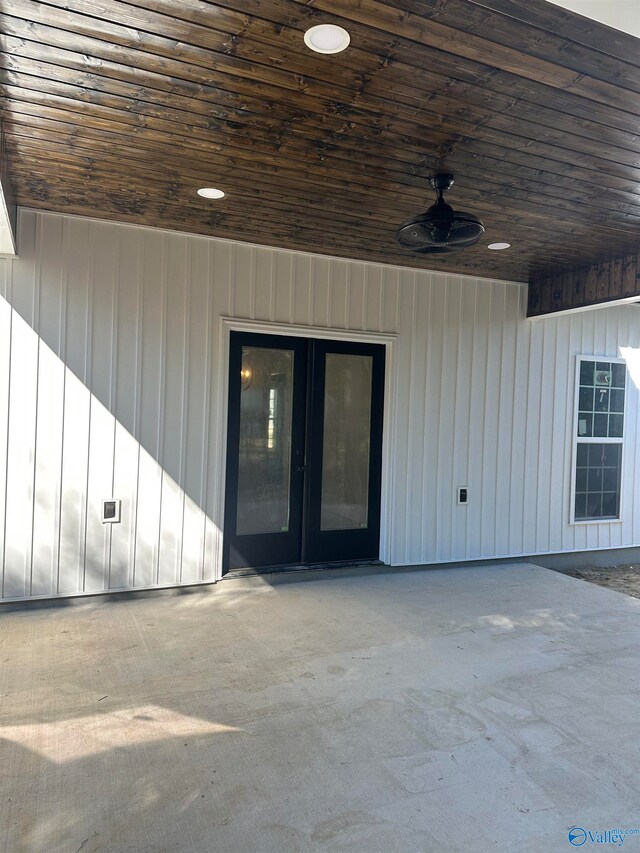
(601, 399)
(598, 482)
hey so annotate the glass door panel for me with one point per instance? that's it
(266, 420)
(346, 442)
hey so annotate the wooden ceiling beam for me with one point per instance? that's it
(611, 282)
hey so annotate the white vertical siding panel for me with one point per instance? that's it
(373, 299)
(320, 303)
(76, 353)
(211, 439)
(125, 480)
(23, 379)
(493, 400)
(302, 289)
(461, 437)
(561, 426)
(356, 296)
(195, 428)
(99, 487)
(546, 381)
(516, 461)
(506, 413)
(390, 289)
(22, 420)
(48, 450)
(101, 367)
(193, 532)
(283, 287)
(147, 519)
(75, 444)
(263, 283)
(80, 268)
(172, 508)
(49, 418)
(244, 285)
(220, 261)
(534, 384)
(432, 424)
(477, 418)
(338, 294)
(450, 535)
(419, 307)
(153, 309)
(404, 444)
(5, 372)
(119, 258)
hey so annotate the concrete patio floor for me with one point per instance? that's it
(459, 709)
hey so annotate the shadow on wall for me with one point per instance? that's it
(66, 453)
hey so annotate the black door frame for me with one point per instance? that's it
(325, 546)
(303, 513)
(270, 546)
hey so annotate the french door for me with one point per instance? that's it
(304, 451)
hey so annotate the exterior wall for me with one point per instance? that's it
(110, 385)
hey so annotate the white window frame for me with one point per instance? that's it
(596, 440)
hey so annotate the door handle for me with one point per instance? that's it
(300, 468)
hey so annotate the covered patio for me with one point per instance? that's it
(475, 708)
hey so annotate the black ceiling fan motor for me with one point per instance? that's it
(440, 229)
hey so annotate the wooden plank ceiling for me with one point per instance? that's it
(123, 110)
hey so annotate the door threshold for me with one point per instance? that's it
(233, 574)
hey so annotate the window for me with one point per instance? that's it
(599, 433)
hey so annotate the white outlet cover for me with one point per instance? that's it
(111, 511)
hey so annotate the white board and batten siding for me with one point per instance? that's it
(111, 386)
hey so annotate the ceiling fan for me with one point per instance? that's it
(440, 229)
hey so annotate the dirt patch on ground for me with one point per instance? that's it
(621, 578)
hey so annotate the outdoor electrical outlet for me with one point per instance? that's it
(463, 495)
(111, 511)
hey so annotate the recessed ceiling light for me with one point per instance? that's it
(210, 192)
(498, 246)
(327, 38)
